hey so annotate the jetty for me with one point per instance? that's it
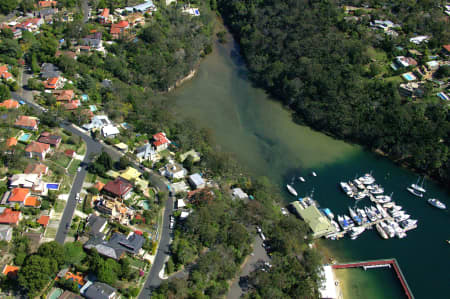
(377, 264)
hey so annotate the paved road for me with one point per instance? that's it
(153, 280)
(259, 254)
(94, 147)
(85, 7)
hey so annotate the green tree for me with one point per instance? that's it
(36, 273)
(53, 250)
(6, 6)
(74, 253)
(4, 92)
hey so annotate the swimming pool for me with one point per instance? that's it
(84, 97)
(93, 108)
(52, 186)
(24, 137)
(146, 205)
(409, 77)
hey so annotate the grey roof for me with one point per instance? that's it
(96, 223)
(49, 70)
(5, 233)
(93, 42)
(196, 179)
(116, 245)
(99, 290)
(144, 151)
(47, 12)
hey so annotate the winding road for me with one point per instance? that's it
(94, 147)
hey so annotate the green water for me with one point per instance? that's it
(263, 138)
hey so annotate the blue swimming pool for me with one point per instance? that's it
(52, 186)
(408, 77)
(24, 137)
(146, 205)
(93, 108)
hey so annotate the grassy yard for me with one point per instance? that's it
(59, 206)
(74, 166)
(50, 232)
(394, 79)
(138, 263)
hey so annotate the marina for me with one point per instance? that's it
(389, 219)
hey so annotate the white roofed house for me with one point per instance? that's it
(196, 181)
(146, 152)
(239, 194)
(110, 131)
(97, 122)
(173, 171)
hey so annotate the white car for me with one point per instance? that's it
(79, 168)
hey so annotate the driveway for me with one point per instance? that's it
(259, 254)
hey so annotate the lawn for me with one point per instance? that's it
(74, 166)
(60, 159)
(50, 232)
(394, 79)
(59, 206)
(138, 263)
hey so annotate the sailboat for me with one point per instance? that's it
(418, 187)
(414, 192)
(302, 179)
(291, 190)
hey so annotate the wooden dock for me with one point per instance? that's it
(380, 263)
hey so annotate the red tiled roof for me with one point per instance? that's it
(118, 187)
(115, 30)
(43, 220)
(10, 104)
(122, 24)
(69, 152)
(47, 3)
(160, 139)
(70, 106)
(37, 168)
(11, 142)
(25, 121)
(37, 147)
(18, 194)
(104, 13)
(49, 139)
(53, 81)
(32, 201)
(6, 75)
(9, 216)
(10, 271)
(99, 186)
(63, 95)
(3, 68)
(138, 232)
(447, 48)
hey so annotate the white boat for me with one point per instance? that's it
(414, 192)
(386, 228)
(408, 224)
(349, 221)
(383, 198)
(372, 216)
(356, 231)
(346, 188)
(418, 187)
(389, 204)
(367, 179)
(402, 218)
(336, 225)
(342, 222)
(381, 231)
(377, 189)
(382, 211)
(397, 207)
(376, 212)
(437, 204)
(313, 173)
(302, 179)
(291, 190)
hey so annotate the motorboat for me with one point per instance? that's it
(414, 192)
(356, 231)
(335, 225)
(382, 211)
(302, 179)
(328, 213)
(398, 230)
(376, 212)
(389, 204)
(349, 221)
(436, 203)
(342, 222)
(377, 189)
(408, 224)
(402, 217)
(381, 231)
(313, 173)
(291, 190)
(346, 188)
(418, 187)
(383, 198)
(372, 217)
(362, 214)
(358, 184)
(354, 216)
(367, 179)
(386, 228)
(360, 195)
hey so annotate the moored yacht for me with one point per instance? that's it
(354, 216)
(302, 179)
(381, 231)
(349, 221)
(356, 231)
(346, 188)
(414, 192)
(291, 190)
(314, 173)
(418, 187)
(437, 204)
(367, 179)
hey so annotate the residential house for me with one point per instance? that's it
(104, 16)
(173, 171)
(100, 290)
(49, 70)
(135, 19)
(110, 131)
(47, 138)
(8, 216)
(70, 153)
(53, 83)
(37, 149)
(118, 29)
(36, 168)
(419, 39)
(31, 24)
(383, 25)
(10, 142)
(93, 40)
(43, 220)
(63, 95)
(238, 193)
(402, 61)
(195, 12)
(146, 152)
(411, 89)
(97, 122)
(446, 50)
(31, 181)
(160, 142)
(17, 33)
(46, 14)
(196, 181)
(10, 271)
(99, 186)
(69, 295)
(27, 123)
(121, 147)
(147, 6)
(69, 54)
(119, 188)
(18, 195)
(4, 72)
(97, 225)
(116, 209)
(6, 233)
(72, 105)
(117, 246)
(47, 3)
(10, 104)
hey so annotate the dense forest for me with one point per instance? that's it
(306, 55)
